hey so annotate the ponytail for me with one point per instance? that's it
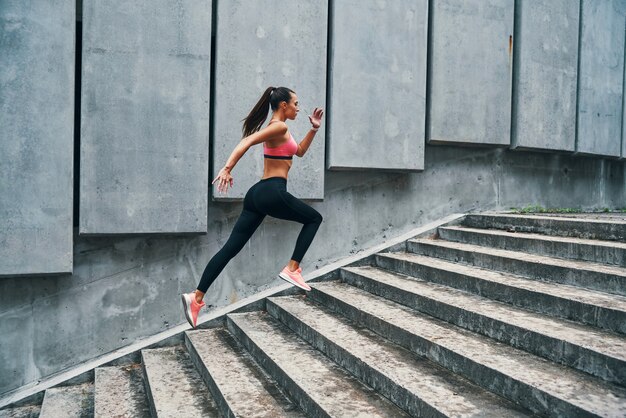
(272, 96)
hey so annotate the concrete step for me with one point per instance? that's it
(119, 392)
(320, 387)
(551, 225)
(603, 310)
(173, 385)
(415, 384)
(544, 387)
(594, 351)
(610, 279)
(68, 401)
(596, 251)
(240, 387)
(27, 411)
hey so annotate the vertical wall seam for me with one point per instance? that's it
(429, 69)
(517, 23)
(212, 82)
(580, 37)
(78, 45)
(329, 82)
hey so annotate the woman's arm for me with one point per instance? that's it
(316, 121)
(269, 132)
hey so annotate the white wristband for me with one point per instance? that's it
(315, 129)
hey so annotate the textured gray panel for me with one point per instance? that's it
(472, 58)
(378, 84)
(145, 116)
(601, 77)
(36, 136)
(262, 44)
(546, 61)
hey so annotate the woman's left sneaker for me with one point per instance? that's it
(294, 277)
(192, 308)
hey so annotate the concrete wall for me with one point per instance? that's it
(545, 75)
(262, 44)
(145, 116)
(125, 288)
(470, 71)
(377, 74)
(36, 136)
(601, 75)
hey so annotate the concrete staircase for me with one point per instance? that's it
(495, 315)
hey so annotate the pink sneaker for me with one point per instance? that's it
(294, 277)
(192, 308)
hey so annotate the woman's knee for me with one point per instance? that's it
(317, 218)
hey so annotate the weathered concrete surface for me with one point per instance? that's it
(119, 392)
(546, 61)
(36, 136)
(597, 251)
(530, 381)
(68, 401)
(586, 306)
(321, 387)
(604, 278)
(600, 226)
(173, 385)
(126, 288)
(597, 352)
(601, 76)
(239, 386)
(273, 43)
(471, 71)
(145, 117)
(414, 384)
(377, 73)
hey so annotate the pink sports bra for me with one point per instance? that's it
(282, 152)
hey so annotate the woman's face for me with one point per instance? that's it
(292, 108)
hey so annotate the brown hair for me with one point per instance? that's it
(272, 96)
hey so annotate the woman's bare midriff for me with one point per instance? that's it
(275, 168)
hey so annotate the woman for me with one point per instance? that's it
(269, 196)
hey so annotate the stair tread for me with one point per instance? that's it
(604, 342)
(175, 386)
(27, 411)
(519, 255)
(68, 401)
(119, 392)
(580, 294)
(577, 387)
(553, 218)
(243, 384)
(443, 390)
(537, 236)
(328, 385)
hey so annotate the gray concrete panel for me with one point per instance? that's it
(624, 100)
(36, 136)
(262, 44)
(546, 62)
(471, 71)
(601, 74)
(378, 85)
(145, 116)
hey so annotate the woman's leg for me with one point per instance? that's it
(286, 206)
(248, 222)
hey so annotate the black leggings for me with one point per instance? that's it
(267, 197)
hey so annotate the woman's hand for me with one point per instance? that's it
(316, 117)
(224, 180)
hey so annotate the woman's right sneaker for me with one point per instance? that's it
(192, 308)
(294, 277)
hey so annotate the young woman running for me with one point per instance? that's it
(267, 197)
